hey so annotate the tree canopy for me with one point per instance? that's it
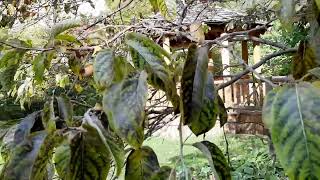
(79, 88)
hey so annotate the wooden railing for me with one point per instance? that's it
(244, 101)
(248, 91)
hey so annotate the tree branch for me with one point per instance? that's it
(255, 66)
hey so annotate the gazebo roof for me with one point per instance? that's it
(209, 14)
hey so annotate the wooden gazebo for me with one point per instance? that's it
(244, 97)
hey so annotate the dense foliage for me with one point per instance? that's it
(95, 79)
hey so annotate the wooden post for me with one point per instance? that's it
(166, 46)
(245, 57)
(225, 58)
(257, 54)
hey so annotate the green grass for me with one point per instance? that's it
(249, 156)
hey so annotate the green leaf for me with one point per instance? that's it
(290, 115)
(154, 4)
(103, 68)
(24, 162)
(65, 109)
(110, 140)
(68, 38)
(108, 69)
(141, 164)
(187, 80)
(7, 77)
(152, 53)
(318, 3)
(199, 110)
(38, 66)
(208, 110)
(216, 159)
(128, 96)
(148, 55)
(48, 117)
(31, 152)
(63, 26)
(164, 173)
(11, 58)
(83, 157)
(167, 8)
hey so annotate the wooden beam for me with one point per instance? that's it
(244, 50)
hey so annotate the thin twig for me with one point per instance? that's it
(109, 15)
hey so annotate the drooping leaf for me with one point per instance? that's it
(128, 96)
(304, 60)
(216, 159)
(149, 56)
(103, 68)
(31, 151)
(48, 117)
(187, 84)
(223, 114)
(208, 110)
(110, 140)
(199, 110)
(290, 115)
(164, 173)
(83, 157)
(24, 128)
(65, 109)
(141, 164)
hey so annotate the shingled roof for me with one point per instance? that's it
(209, 13)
